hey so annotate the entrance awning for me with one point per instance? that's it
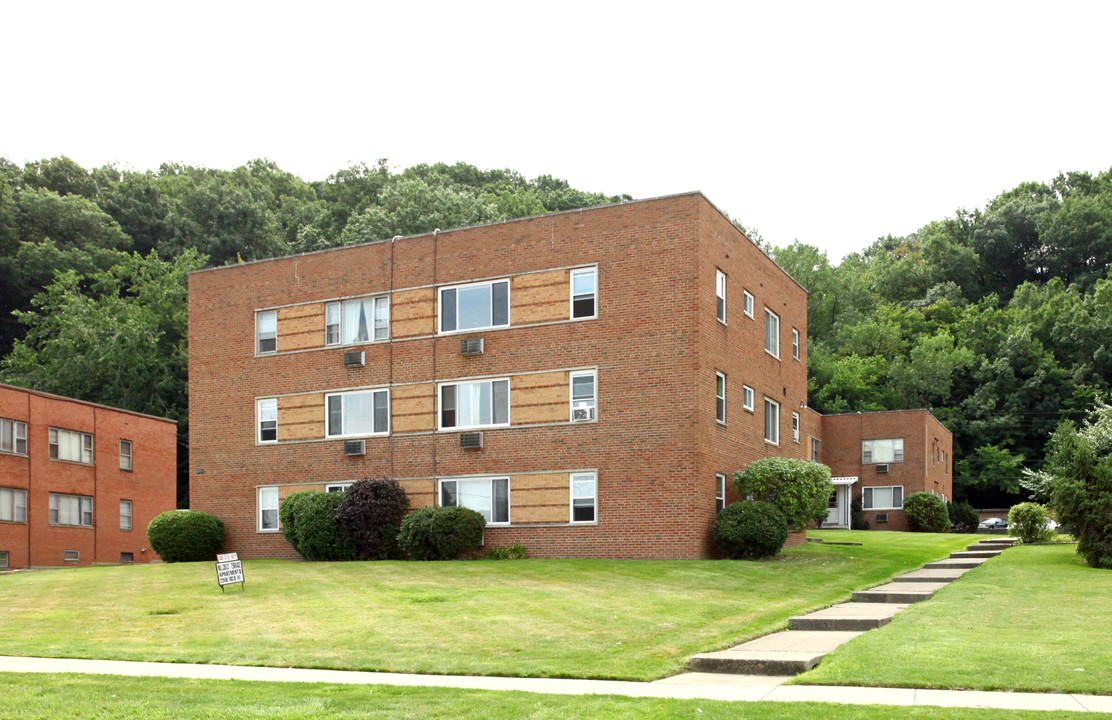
(846, 480)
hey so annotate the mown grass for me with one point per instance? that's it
(43, 697)
(535, 618)
(1035, 618)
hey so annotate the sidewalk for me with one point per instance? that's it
(688, 686)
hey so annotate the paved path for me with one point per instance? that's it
(693, 686)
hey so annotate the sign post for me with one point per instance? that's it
(229, 570)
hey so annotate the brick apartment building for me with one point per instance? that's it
(79, 482)
(588, 380)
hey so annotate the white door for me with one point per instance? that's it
(833, 512)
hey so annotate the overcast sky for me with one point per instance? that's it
(832, 123)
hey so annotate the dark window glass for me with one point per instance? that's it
(500, 502)
(500, 304)
(335, 415)
(447, 310)
(448, 406)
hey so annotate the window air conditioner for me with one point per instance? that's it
(471, 441)
(355, 358)
(882, 468)
(582, 414)
(471, 346)
(882, 517)
(353, 448)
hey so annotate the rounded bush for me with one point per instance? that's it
(186, 536)
(369, 515)
(441, 533)
(1030, 523)
(926, 513)
(963, 518)
(750, 529)
(309, 523)
(799, 489)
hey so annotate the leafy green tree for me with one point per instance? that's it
(1080, 465)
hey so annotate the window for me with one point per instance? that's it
(475, 404)
(268, 509)
(795, 426)
(883, 498)
(72, 556)
(71, 446)
(357, 321)
(720, 397)
(127, 558)
(583, 290)
(337, 487)
(13, 505)
(490, 497)
(3, 559)
(74, 510)
(469, 307)
(748, 303)
(366, 412)
(814, 450)
(584, 497)
(747, 398)
(719, 492)
(266, 332)
(125, 515)
(125, 455)
(882, 451)
(795, 343)
(720, 292)
(772, 333)
(772, 421)
(583, 400)
(13, 436)
(266, 413)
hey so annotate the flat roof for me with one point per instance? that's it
(52, 396)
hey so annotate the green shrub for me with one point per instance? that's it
(857, 519)
(441, 533)
(799, 489)
(309, 523)
(750, 529)
(1030, 523)
(963, 518)
(1081, 489)
(369, 514)
(507, 552)
(926, 513)
(186, 536)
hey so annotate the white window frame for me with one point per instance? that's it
(772, 333)
(466, 286)
(440, 404)
(583, 403)
(869, 454)
(489, 514)
(263, 408)
(774, 428)
(84, 509)
(592, 497)
(4, 560)
(15, 431)
(816, 449)
(795, 344)
(337, 308)
(720, 397)
(593, 272)
(127, 455)
(867, 499)
(13, 505)
(55, 445)
(719, 491)
(720, 296)
(337, 487)
(748, 398)
(795, 426)
(271, 496)
(270, 335)
(749, 302)
(129, 515)
(376, 431)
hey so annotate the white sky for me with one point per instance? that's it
(832, 123)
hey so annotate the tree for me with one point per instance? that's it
(1080, 465)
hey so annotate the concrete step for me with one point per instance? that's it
(1009, 541)
(852, 616)
(962, 554)
(943, 575)
(898, 592)
(784, 653)
(954, 563)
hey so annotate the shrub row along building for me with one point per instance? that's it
(587, 380)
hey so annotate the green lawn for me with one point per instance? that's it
(49, 697)
(557, 618)
(1035, 618)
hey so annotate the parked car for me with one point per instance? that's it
(993, 524)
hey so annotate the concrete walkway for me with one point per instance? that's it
(691, 686)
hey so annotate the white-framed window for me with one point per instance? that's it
(748, 306)
(125, 515)
(475, 306)
(490, 497)
(13, 436)
(584, 400)
(337, 487)
(361, 320)
(71, 446)
(584, 497)
(883, 498)
(3, 559)
(720, 397)
(795, 344)
(720, 295)
(795, 426)
(266, 332)
(268, 509)
(125, 455)
(814, 450)
(772, 421)
(76, 510)
(475, 404)
(266, 414)
(13, 505)
(772, 333)
(748, 398)
(882, 451)
(719, 492)
(584, 293)
(359, 413)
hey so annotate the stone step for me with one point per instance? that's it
(784, 653)
(977, 547)
(963, 554)
(954, 563)
(938, 575)
(847, 617)
(898, 592)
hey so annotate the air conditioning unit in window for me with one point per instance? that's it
(582, 414)
(471, 441)
(355, 358)
(882, 468)
(882, 517)
(471, 346)
(353, 448)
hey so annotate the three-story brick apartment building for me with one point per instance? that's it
(587, 380)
